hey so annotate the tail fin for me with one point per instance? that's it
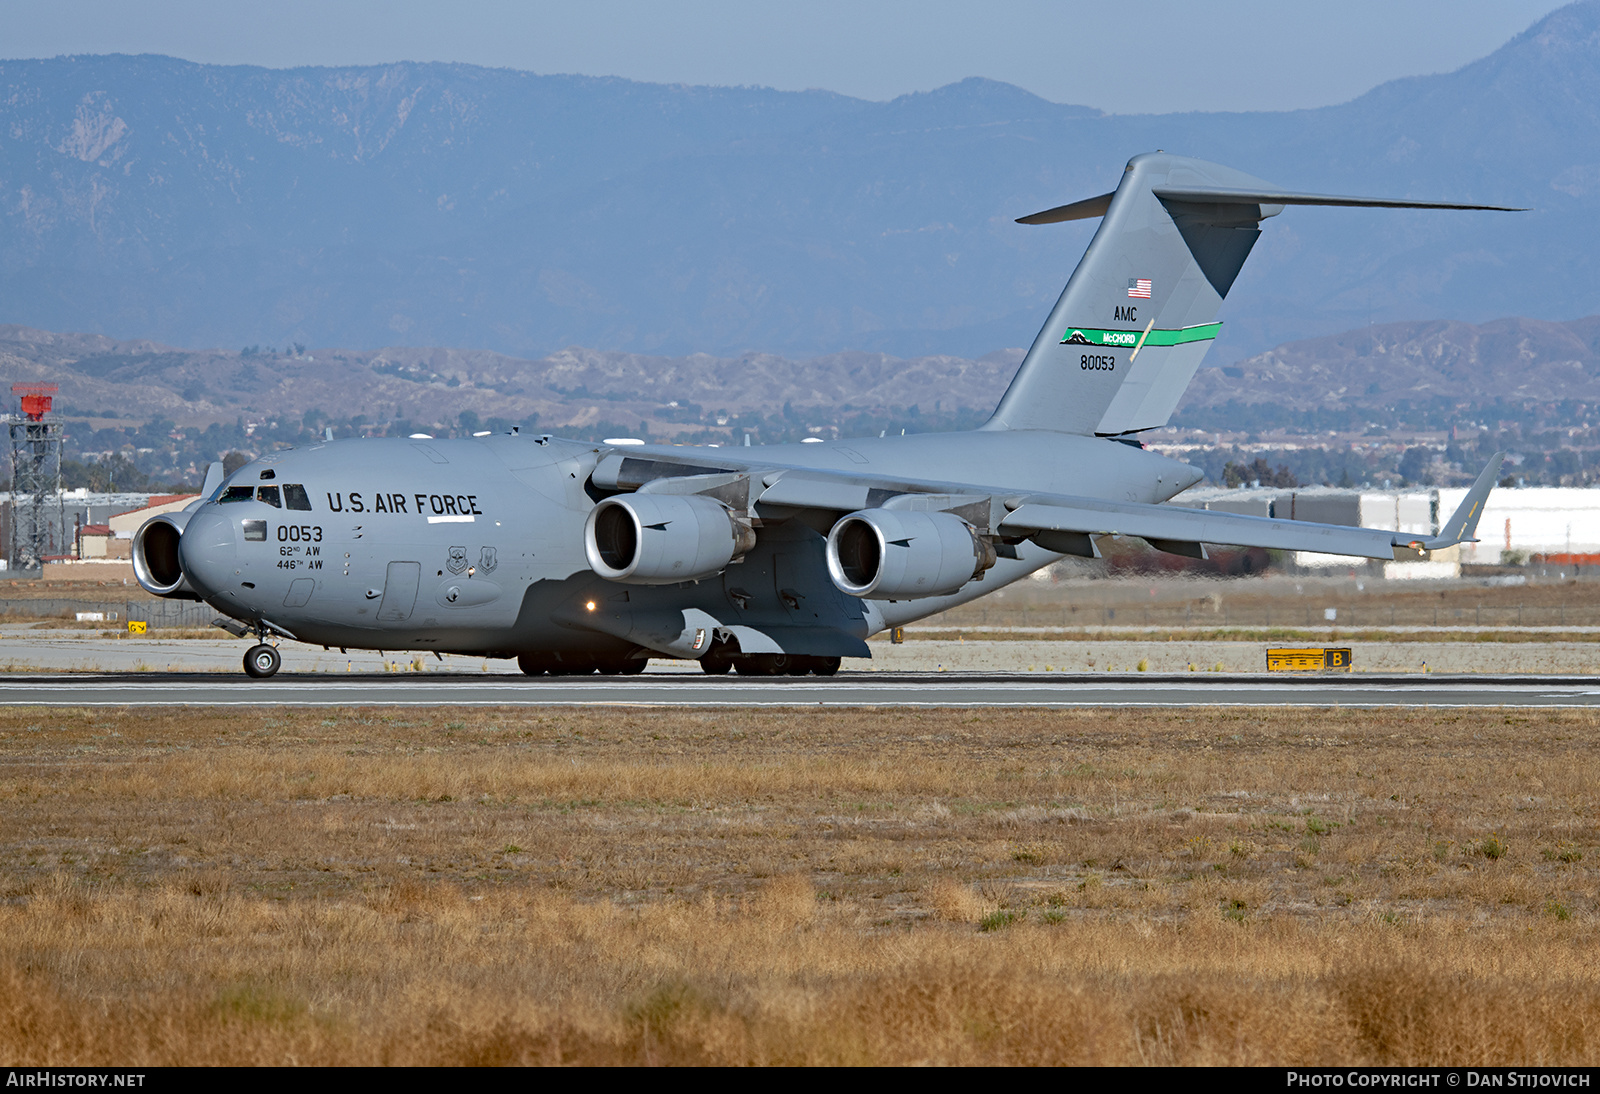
(1140, 311)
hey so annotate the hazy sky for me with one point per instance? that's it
(1145, 56)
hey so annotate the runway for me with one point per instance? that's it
(845, 690)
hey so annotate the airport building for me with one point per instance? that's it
(1554, 524)
(92, 527)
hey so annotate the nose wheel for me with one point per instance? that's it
(262, 661)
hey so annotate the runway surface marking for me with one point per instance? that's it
(875, 689)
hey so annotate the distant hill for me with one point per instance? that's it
(1535, 384)
(432, 204)
(573, 389)
(1438, 372)
(1429, 373)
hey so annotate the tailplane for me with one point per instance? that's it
(1140, 311)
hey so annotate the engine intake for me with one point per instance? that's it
(661, 539)
(893, 554)
(155, 557)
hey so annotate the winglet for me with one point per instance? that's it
(1463, 523)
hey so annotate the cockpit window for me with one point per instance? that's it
(237, 493)
(269, 494)
(294, 496)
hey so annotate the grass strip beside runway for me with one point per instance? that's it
(513, 885)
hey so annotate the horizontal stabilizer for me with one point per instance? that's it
(1217, 195)
(1078, 210)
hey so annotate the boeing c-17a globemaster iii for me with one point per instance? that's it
(575, 557)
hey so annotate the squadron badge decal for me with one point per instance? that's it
(458, 560)
(487, 560)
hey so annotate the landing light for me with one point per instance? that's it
(590, 605)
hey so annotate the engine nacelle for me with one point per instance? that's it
(895, 554)
(661, 539)
(155, 557)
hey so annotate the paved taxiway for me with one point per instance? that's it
(32, 649)
(847, 689)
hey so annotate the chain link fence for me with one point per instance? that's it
(154, 613)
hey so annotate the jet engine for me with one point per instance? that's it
(893, 554)
(155, 557)
(662, 539)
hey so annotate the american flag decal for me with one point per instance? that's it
(1139, 288)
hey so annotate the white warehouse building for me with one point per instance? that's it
(1532, 520)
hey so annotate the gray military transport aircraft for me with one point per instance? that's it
(574, 557)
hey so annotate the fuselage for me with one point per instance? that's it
(476, 545)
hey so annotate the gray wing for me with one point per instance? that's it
(780, 491)
(1176, 525)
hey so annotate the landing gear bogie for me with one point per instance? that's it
(534, 664)
(716, 663)
(541, 664)
(781, 664)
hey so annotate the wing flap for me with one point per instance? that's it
(812, 490)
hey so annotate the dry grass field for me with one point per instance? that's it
(791, 886)
(1192, 605)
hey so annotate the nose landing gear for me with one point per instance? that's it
(262, 661)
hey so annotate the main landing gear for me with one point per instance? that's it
(723, 656)
(777, 664)
(717, 661)
(262, 661)
(539, 664)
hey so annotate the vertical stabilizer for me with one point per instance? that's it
(1140, 311)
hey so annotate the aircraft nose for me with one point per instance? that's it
(207, 550)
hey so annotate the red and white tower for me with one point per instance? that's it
(37, 508)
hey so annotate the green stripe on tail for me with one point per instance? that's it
(1127, 339)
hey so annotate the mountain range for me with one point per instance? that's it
(1426, 374)
(1441, 364)
(516, 213)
